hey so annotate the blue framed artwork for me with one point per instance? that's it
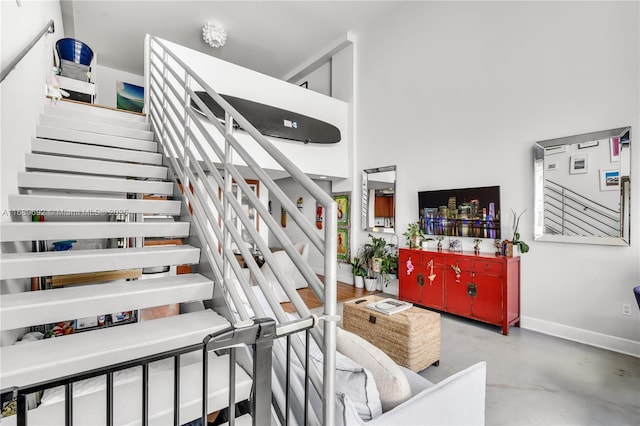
(129, 97)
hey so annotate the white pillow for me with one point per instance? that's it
(354, 381)
(392, 384)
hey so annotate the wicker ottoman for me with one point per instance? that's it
(411, 337)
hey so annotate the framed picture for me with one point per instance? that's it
(609, 180)
(129, 97)
(343, 245)
(579, 164)
(343, 201)
(614, 145)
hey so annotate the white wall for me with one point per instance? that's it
(319, 80)
(22, 96)
(23, 91)
(456, 94)
(105, 79)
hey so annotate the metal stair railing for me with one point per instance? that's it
(570, 213)
(259, 336)
(183, 138)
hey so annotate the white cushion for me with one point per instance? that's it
(392, 384)
(354, 381)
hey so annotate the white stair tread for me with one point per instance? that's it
(89, 115)
(49, 132)
(90, 206)
(49, 306)
(70, 182)
(100, 111)
(75, 149)
(95, 167)
(94, 127)
(42, 360)
(32, 231)
(23, 265)
(89, 405)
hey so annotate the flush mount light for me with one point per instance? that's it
(213, 35)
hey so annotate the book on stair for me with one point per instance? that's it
(389, 306)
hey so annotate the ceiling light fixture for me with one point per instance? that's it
(213, 35)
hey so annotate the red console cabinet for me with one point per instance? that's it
(478, 286)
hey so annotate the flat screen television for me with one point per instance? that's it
(467, 212)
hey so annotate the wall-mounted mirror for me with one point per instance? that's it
(378, 199)
(582, 188)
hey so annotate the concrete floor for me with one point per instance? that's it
(535, 379)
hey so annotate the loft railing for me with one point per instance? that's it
(259, 336)
(203, 159)
(47, 29)
(568, 213)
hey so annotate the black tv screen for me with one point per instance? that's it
(468, 212)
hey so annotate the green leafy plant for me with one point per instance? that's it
(358, 268)
(374, 255)
(415, 235)
(522, 246)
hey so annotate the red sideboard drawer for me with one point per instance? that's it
(488, 266)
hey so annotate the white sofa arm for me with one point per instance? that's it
(457, 400)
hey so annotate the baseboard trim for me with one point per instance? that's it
(592, 338)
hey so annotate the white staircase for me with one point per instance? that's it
(85, 164)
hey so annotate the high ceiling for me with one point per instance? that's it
(272, 37)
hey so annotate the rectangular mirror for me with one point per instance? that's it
(582, 188)
(378, 199)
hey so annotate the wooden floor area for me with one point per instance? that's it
(344, 292)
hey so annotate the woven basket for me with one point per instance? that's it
(411, 337)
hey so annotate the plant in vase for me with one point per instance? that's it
(522, 246)
(439, 243)
(359, 271)
(389, 266)
(415, 235)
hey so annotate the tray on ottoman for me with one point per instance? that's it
(411, 337)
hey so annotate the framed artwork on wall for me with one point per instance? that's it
(343, 245)
(614, 145)
(129, 97)
(343, 201)
(609, 180)
(579, 164)
(343, 207)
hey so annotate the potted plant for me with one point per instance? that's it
(414, 235)
(515, 241)
(372, 257)
(359, 271)
(389, 268)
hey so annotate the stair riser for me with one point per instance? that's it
(65, 182)
(33, 231)
(89, 206)
(95, 167)
(47, 132)
(56, 111)
(81, 261)
(94, 127)
(73, 149)
(96, 111)
(49, 306)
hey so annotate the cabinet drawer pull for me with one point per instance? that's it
(420, 280)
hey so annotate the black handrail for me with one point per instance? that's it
(49, 28)
(259, 335)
